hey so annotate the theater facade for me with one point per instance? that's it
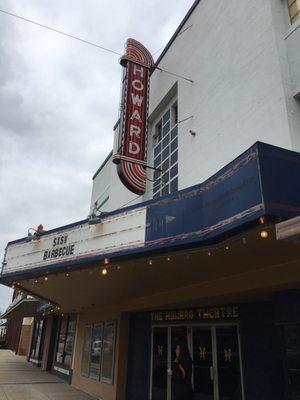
(193, 236)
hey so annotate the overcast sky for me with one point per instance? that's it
(59, 101)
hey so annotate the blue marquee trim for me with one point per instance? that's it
(264, 180)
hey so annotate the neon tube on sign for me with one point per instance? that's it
(131, 157)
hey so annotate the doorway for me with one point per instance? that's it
(216, 361)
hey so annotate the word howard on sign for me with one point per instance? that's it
(132, 145)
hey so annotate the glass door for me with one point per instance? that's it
(159, 384)
(36, 351)
(198, 362)
(228, 361)
(180, 365)
(64, 344)
(203, 364)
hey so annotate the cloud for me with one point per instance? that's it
(59, 101)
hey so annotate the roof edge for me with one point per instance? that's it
(8, 311)
(103, 164)
(175, 34)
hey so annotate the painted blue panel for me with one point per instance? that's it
(229, 198)
(280, 177)
(265, 180)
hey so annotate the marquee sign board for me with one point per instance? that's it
(124, 231)
(131, 156)
(262, 181)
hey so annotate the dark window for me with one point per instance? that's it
(65, 341)
(174, 145)
(61, 340)
(165, 165)
(166, 154)
(158, 132)
(165, 178)
(174, 185)
(157, 161)
(174, 114)
(291, 345)
(166, 141)
(156, 175)
(70, 342)
(174, 171)
(174, 132)
(157, 150)
(109, 334)
(166, 129)
(98, 351)
(156, 186)
(85, 360)
(37, 339)
(165, 190)
(174, 157)
(166, 117)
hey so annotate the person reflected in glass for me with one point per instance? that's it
(181, 374)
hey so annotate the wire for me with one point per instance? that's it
(153, 54)
(184, 30)
(172, 73)
(83, 40)
(180, 33)
(185, 119)
(61, 32)
(162, 185)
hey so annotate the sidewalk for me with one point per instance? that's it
(20, 380)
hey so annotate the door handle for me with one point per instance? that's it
(211, 372)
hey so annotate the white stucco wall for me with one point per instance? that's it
(107, 183)
(236, 54)
(237, 97)
(292, 40)
(287, 37)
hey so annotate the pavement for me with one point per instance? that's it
(20, 380)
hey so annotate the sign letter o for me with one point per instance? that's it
(137, 85)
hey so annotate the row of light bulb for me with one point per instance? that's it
(104, 271)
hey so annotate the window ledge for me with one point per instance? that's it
(296, 93)
(293, 28)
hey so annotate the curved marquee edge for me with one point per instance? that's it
(136, 52)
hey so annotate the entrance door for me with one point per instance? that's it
(216, 371)
(159, 384)
(228, 363)
(203, 364)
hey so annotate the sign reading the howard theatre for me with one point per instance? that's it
(131, 156)
(198, 314)
(60, 248)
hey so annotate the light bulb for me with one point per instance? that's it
(264, 234)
